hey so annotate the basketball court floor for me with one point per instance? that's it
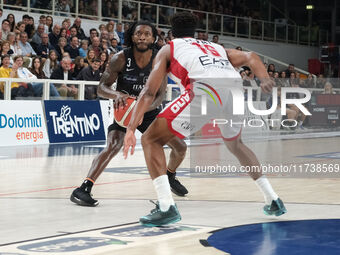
(220, 215)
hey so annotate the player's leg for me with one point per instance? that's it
(82, 195)
(177, 155)
(273, 204)
(153, 140)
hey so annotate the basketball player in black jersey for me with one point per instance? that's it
(132, 67)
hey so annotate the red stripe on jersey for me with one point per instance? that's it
(177, 69)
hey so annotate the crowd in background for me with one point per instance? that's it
(43, 49)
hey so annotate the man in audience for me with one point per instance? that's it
(26, 48)
(90, 73)
(54, 35)
(63, 72)
(44, 47)
(72, 48)
(80, 32)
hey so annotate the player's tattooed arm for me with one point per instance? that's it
(110, 75)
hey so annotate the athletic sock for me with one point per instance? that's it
(267, 190)
(163, 191)
(87, 185)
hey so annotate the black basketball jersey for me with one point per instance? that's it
(132, 79)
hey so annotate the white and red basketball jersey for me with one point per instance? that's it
(195, 59)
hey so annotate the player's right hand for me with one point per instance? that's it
(267, 85)
(120, 101)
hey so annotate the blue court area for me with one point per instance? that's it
(312, 237)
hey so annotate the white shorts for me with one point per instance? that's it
(186, 114)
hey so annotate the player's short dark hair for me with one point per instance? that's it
(183, 24)
(129, 33)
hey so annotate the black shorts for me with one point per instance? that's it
(149, 117)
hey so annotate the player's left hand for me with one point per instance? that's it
(129, 141)
(267, 85)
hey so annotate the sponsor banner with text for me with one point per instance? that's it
(74, 121)
(22, 123)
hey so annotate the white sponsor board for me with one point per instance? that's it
(22, 123)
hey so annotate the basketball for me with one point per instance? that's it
(123, 116)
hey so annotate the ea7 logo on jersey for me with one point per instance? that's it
(180, 103)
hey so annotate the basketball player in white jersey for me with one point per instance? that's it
(196, 65)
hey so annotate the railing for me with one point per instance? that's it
(46, 86)
(170, 95)
(209, 22)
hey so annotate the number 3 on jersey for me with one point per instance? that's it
(207, 49)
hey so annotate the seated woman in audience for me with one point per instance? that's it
(91, 55)
(36, 69)
(11, 20)
(62, 42)
(328, 89)
(6, 48)
(20, 27)
(51, 63)
(83, 48)
(104, 58)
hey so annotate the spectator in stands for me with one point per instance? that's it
(290, 69)
(300, 115)
(271, 67)
(215, 39)
(5, 27)
(110, 28)
(104, 58)
(63, 8)
(61, 47)
(51, 63)
(63, 33)
(107, 10)
(44, 47)
(42, 20)
(120, 33)
(114, 46)
(73, 32)
(49, 23)
(104, 35)
(6, 72)
(26, 48)
(96, 46)
(36, 70)
(65, 25)
(283, 81)
(54, 36)
(14, 44)
(90, 73)
(30, 28)
(91, 55)
(23, 73)
(309, 82)
(79, 64)
(93, 33)
(6, 48)
(80, 32)
(83, 48)
(320, 81)
(328, 89)
(63, 73)
(36, 39)
(11, 19)
(20, 27)
(160, 43)
(72, 48)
